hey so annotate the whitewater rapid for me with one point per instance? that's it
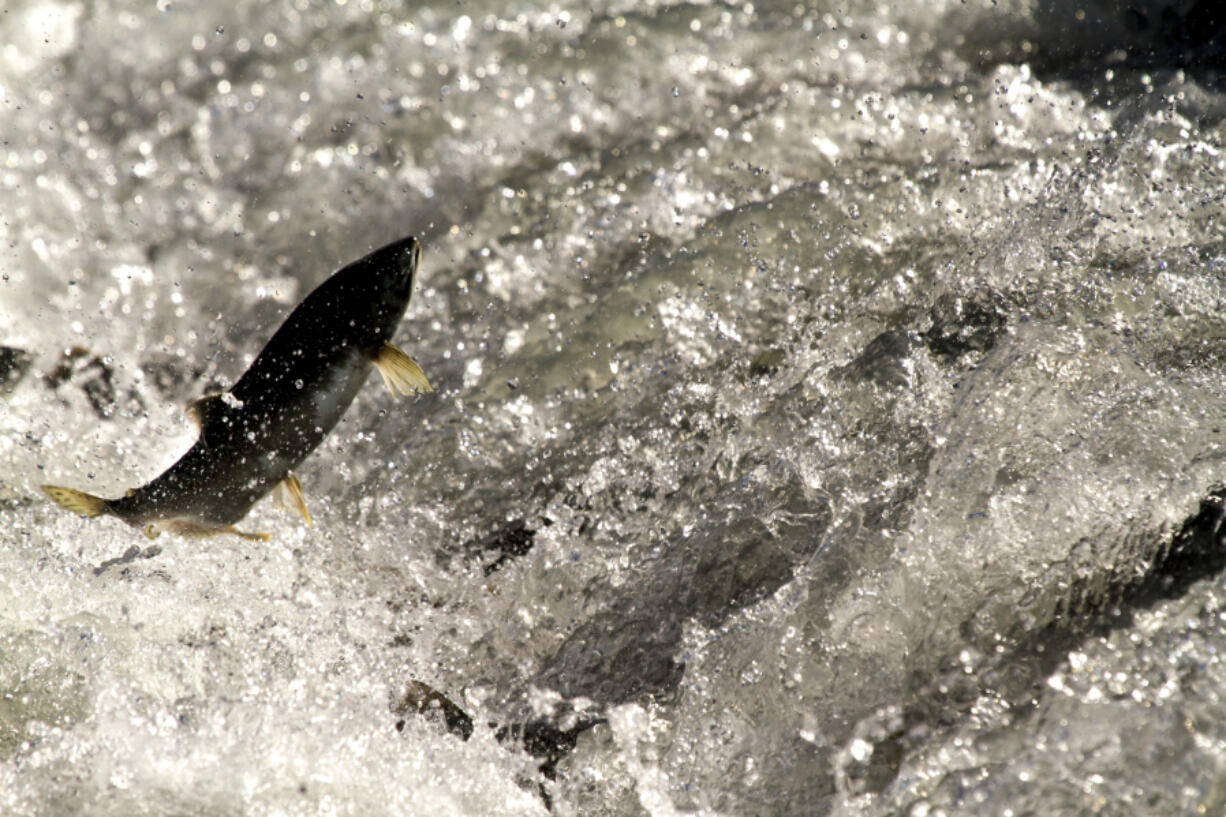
(828, 419)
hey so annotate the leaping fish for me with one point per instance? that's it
(255, 434)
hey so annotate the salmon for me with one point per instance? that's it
(254, 435)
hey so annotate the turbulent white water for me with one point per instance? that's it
(829, 415)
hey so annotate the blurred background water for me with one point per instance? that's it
(829, 415)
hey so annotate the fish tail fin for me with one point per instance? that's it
(78, 502)
(400, 372)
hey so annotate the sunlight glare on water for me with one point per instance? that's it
(828, 412)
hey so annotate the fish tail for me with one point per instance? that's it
(78, 502)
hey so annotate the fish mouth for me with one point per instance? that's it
(407, 261)
(408, 252)
(397, 263)
(414, 255)
(408, 272)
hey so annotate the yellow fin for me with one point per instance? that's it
(289, 495)
(78, 502)
(253, 537)
(400, 373)
(196, 530)
(202, 408)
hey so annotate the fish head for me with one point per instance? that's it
(379, 285)
(392, 268)
(361, 303)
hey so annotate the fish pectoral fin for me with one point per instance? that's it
(289, 496)
(401, 374)
(202, 409)
(78, 502)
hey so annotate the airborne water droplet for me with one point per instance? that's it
(298, 383)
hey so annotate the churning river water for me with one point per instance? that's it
(830, 410)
